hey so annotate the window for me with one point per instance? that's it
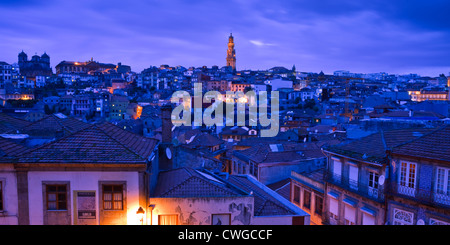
(442, 192)
(349, 214)
(368, 219)
(318, 205)
(337, 170)
(373, 184)
(353, 177)
(334, 211)
(307, 199)
(112, 197)
(296, 195)
(56, 197)
(221, 219)
(168, 219)
(407, 179)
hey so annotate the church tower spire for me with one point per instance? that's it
(231, 53)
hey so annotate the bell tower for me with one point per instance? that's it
(231, 53)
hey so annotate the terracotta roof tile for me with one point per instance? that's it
(373, 147)
(99, 143)
(9, 124)
(188, 182)
(267, 202)
(434, 145)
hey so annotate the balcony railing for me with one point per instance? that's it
(424, 196)
(376, 194)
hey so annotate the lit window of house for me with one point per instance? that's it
(113, 197)
(56, 197)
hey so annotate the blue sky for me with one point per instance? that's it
(360, 36)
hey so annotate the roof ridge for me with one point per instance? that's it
(75, 134)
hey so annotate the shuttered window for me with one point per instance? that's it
(350, 215)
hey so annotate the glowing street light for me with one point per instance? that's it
(140, 213)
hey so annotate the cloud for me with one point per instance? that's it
(260, 43)
(360, 36)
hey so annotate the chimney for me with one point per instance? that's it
(166, 149)
(166, 112)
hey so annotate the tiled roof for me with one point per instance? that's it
(9, 124)
(235, 131)
(282, 187)
(204, 140)
(51, 124)
(434, 145)
(10, 148)
(373, 147)
(99, 143)
(267, 202)
(280, 152)
(188, 182)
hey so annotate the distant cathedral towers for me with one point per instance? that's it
(37, 66)
(231, 53)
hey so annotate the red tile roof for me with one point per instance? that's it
(9, 124)
(434, 145)
(188, 182)
(10, 148)
(373, 147)
(267, 201)
(280, 152)
(51, 124)
(99, 143)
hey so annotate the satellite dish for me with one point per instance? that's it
(168, 153)
(381, 180)
(420, 222)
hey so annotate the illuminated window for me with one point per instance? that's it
(112, 197)
(56, 197)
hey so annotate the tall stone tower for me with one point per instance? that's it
(448, 88)
(231, 53)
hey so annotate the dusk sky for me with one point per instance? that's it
(399, 37)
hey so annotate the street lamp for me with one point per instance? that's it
(140, 213)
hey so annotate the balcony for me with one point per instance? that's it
(424, 196)
(375, 194)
